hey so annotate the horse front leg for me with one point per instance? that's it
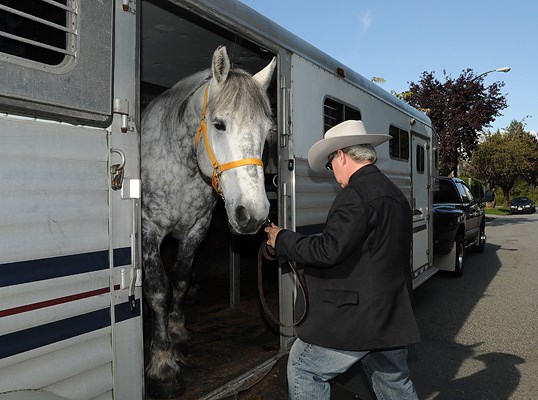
(180, 280)
(163, 373)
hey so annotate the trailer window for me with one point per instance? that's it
(39, 42)
(335, 112)
(420, 159)
(399, 144)
(38, 30)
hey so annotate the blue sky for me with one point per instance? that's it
(398, 40)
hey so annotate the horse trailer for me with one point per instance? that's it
(76, 77)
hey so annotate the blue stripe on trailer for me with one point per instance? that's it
(122, 256)
(55, 267)
(43, 335)
(122, 311)
(21, 272)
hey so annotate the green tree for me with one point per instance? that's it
(506, 157)
(459, 108)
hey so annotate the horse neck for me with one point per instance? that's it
(184, 117)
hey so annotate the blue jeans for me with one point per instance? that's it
(311, 367)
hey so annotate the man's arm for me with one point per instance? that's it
(345, 229)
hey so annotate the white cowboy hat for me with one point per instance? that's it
(345, 134)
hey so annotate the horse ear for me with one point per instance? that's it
(221, 64)
(264, 76)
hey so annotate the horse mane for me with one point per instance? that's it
(241, 92)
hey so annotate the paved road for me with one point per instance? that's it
(480, 331)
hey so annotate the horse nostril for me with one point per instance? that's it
(241, 215)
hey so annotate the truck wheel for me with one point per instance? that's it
(481, 242)
(460, 251)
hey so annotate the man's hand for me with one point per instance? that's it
(272, 231)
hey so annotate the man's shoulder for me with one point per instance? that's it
(368, 175)
(374, 183)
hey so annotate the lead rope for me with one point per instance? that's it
(264, 251)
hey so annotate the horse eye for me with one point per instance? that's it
(219, 125)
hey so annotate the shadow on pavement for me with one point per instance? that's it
(441, 368)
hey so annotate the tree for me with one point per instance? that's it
(529, 172)
(459, 109)
(505, 157)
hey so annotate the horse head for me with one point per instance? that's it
(236, 119)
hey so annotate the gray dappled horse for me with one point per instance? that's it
(207, 130)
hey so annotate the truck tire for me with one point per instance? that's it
(460, 252)
(481, 240)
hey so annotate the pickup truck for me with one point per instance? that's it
(458, 222)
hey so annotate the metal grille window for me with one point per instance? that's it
(43, 31)
(335, 112)
(399, 144)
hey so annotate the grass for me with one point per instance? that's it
(497, 211)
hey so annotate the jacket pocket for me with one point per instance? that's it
(340, 298)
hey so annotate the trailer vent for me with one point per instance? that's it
(42, 31)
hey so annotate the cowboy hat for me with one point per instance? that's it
(345, 134)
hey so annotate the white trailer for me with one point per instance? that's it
(75, 77)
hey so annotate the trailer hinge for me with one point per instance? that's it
(129, 5)
(285, 104)
(283, 140)
(121, 106)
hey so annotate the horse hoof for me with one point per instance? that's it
(165, 390)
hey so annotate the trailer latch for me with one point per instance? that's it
(132, 303)
(117, 171)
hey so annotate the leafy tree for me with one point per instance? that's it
(459, 108)
(506, 157)
(517, 129)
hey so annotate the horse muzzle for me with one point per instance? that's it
(243, 223)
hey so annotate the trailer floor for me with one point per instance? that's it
(226, 342)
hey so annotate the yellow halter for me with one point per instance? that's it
(218, 169)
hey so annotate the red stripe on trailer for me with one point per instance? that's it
(53, 302)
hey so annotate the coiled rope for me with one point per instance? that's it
(267, 252)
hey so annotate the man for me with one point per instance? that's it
(357, 275)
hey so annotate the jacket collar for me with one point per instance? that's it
(363, 171)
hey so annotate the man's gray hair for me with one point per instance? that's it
(361, 152)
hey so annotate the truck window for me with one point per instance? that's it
(447, 193)
(465, 192)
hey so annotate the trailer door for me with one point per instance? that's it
(67, 326)
(421, 221)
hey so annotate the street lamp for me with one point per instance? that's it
(502, 69)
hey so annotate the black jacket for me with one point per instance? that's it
(357, 272)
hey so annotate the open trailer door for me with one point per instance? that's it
(70, 314)
(231, 343)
